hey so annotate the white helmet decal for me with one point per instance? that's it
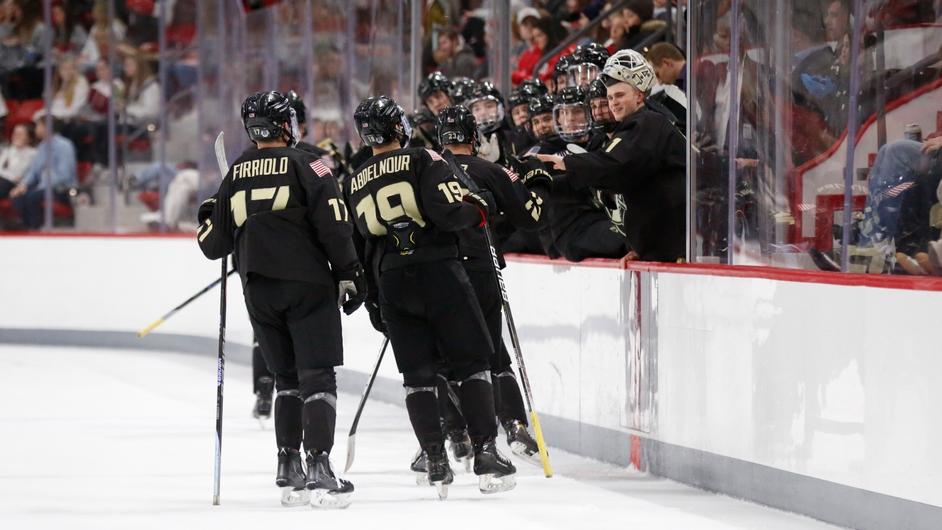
(630, 67)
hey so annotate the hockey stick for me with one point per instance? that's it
(173, 311)
(352, 435)
(220, 148)
(508, 316)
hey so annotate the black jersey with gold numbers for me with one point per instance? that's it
(282, 213)
(406, 205)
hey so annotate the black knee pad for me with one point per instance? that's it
(316, 381)
(464, 370)
(286, 381)
(422, 377)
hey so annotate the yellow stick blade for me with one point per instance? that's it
(150, 328)
(544, 455)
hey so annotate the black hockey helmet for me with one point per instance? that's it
(602, 119)
(421, 117)
(434, 82)
(461, 88)
(586, 64)
(571, 115)
(268, 116)
(380, 120)
(526, 91)
(561, 71)
(456, 125)
(542, 105)
(300, 109)
(488, 116)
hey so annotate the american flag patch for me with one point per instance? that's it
(435, 156)
(898, 190)
(510, 174)
(320, 168)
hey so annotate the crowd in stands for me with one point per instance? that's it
(791, 113)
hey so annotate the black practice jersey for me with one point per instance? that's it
(407, 207)
(515, 206)
(645, 161)
(282, 213)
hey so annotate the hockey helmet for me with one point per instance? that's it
(456, 125)
(268, 116)
(629, 66)
(380, 120)
(487, 105)
(571, 117)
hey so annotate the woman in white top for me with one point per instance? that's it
(15, 159)
(142, 95)
(71, 90)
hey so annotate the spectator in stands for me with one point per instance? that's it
(68, 34)
(615, 25)
(96, 46)
(529, 18)
(668, 63)
(547, 35)
(16, 158)
(639, 25)
(836, 22)
(454, 57)
(28, 195)
(920, 217)
(142, 97)
(23, 41)
(71, 90)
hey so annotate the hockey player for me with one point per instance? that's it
(408, 206)
(585, 64)
(518, 201)
(603, 122)
(461, 89)
(434, 92)
(497, 142)
(281, 212)
(579, 228)
(519, 104)
(645, 161)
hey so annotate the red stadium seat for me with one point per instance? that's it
(84, 170)
(151, 199)
(20, 112)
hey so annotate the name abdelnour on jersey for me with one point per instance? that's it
(379, 168)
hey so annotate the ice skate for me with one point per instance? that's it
(327, 490)
(420, 467)
(521, 443)
(290, 477)
(439, 472)
(495, 472)
(263, 400)
(459, 444)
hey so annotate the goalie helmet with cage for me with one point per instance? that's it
(268, 116)
(629, 66)
(571, 117)
(380, 120)
(456, 125)
(487, 105)
(585, 64)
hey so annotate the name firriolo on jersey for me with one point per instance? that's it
(392, 164)
(262, 166)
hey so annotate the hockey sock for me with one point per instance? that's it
(510, 407)
(448, 410)
(288, 419)
(477, 401)
(320, 418)
(260, 372)
(422, 404)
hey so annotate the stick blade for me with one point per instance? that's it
(220, 149)
(351, 451)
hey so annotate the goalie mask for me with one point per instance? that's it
(629, 66)
(571, 118)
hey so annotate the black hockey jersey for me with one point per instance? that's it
(407, 207)
(645, 161)
(515, 206)
(283, 215)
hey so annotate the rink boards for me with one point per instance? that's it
(814, 394)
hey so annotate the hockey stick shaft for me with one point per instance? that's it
(187, 302)
(351, 436)
(220, 149)
(518, 353)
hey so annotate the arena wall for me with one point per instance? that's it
(812, 393)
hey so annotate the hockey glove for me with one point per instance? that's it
(538, 177)
(376, 316)
(205, 210)
(483, 200)
(351, 289)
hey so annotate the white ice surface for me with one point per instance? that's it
(102, 439)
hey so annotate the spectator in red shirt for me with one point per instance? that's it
(529, 18)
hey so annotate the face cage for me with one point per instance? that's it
(573, 134)
(491, 122)
(582, 74)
